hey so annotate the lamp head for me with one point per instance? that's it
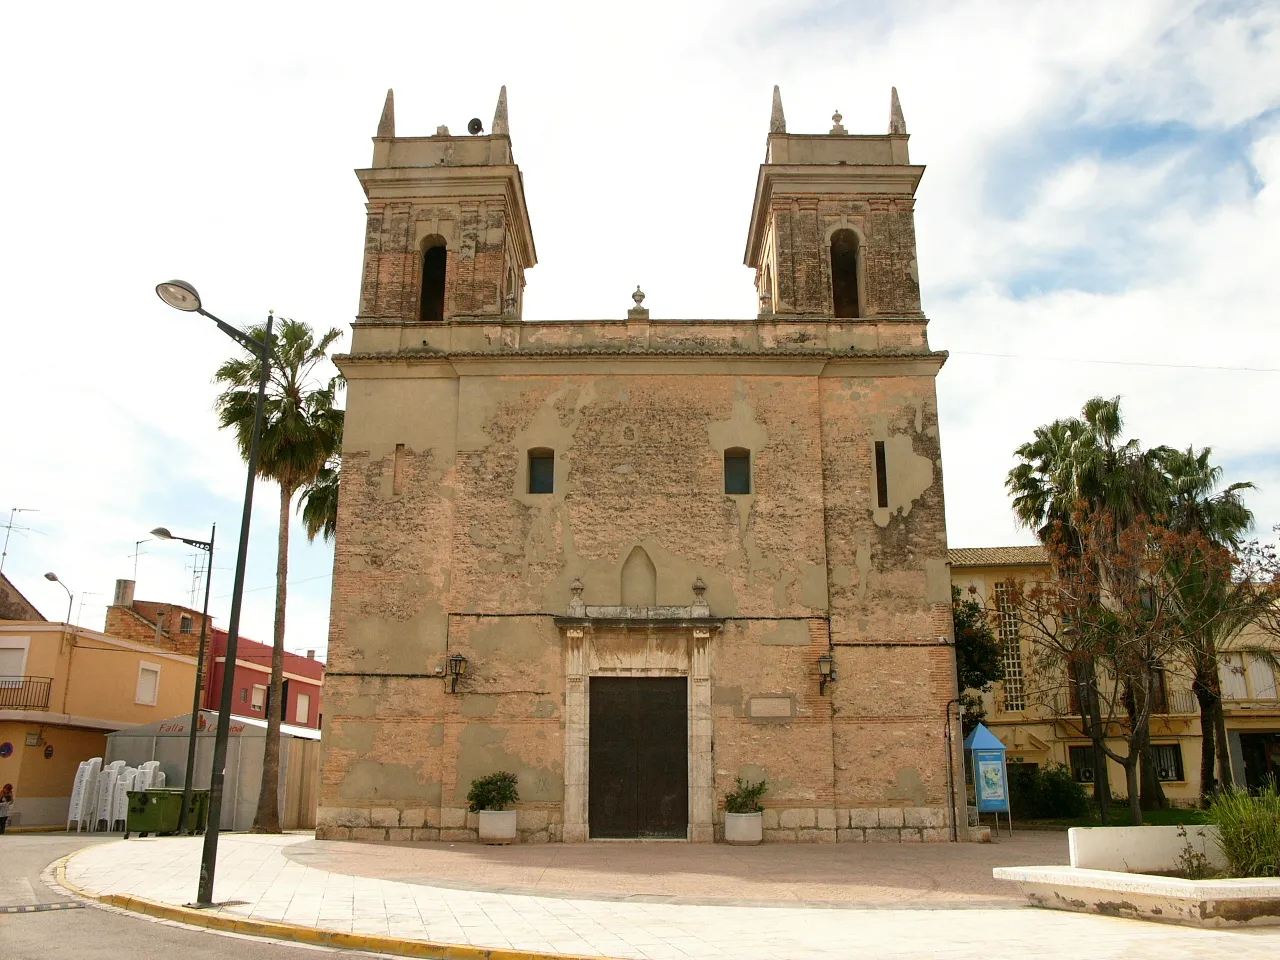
(51, 576)
(179, 294)
(162, 532)
(825, 663)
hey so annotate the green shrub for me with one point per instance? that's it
(1248, 830)
(1045, 793)
(745, 798)
(497, 791)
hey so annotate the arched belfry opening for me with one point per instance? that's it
(844, 274)
(434, 260)
(639, 580)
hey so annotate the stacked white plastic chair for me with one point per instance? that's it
(106, 795)
(83, 793)
(147, 773)
(120, 803)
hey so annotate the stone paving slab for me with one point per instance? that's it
(278, 889)
(948, 876)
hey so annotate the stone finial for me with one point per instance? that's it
(897, 123)
(700, 608)
(442, 131)
(500, 115)
(766, 303)
(777, 122)
(837, 128)
(576, 607)
(387, 125)
(638, 312)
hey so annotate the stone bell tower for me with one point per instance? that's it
(448, 235)
(832, 229)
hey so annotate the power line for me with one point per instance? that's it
(290, 583)
(1118, 363)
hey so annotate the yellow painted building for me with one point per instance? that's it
(62, 689)
(1031, 715)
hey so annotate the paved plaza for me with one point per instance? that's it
(654, 901)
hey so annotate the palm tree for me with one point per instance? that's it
(1077, 467)
(1213, 604)
(301, 432)
(319, 502)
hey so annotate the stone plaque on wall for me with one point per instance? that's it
(769, 708)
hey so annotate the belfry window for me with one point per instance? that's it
(844, 274)
(737, 470)
(434, 259)
(542, 471)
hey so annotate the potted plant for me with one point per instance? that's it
(489, 797)
(743, 815)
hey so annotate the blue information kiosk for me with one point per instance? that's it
(990, 780)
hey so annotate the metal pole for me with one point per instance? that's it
(195, 697)
(951, 788)
(208, 860)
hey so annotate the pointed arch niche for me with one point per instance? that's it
(639, 580)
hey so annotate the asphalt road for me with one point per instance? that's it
(91, 933)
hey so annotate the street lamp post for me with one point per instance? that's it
(182, 296)
(207, 546)
(54, 577)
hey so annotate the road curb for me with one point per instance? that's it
(315, 936)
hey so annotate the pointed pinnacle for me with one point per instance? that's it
(897, 123)
(777, 122)
(500, 115)
(387, 125)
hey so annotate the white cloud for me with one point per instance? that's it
(154, 141)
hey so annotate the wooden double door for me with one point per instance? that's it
(639, 757)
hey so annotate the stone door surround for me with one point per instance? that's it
(637, 644)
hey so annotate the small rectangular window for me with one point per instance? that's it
(737, 471)
(185, 625)
(882, 476)
(1081, 763)
(542, 471)
(303, 713)
(259, 697)
(244, 694)
(1167, 758)
(148, 684)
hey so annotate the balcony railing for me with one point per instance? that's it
(24, 693)
(1176, 702)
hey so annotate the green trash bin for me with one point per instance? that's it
(153, 811)
(198, 815)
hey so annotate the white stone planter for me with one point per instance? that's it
(497, 826)
(1112, 869)
(743, 829)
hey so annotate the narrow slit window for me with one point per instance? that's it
(434, 259)
(737, 471)
(542, 471)
(882, 476)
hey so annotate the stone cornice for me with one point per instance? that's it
(564, 361)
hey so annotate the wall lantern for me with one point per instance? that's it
(455, 666)
(826, 671)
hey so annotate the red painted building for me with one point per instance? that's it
(252, 681)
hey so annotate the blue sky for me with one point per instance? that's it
(1103, 184)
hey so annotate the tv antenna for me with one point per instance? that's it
(9, 528)
(475, 127)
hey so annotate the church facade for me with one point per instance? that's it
(633, 560)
